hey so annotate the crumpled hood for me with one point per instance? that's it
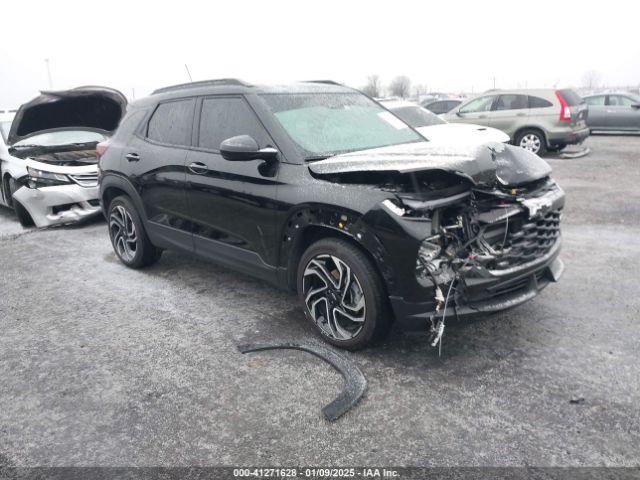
(485, 164)
(93, 108)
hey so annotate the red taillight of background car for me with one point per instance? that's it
(101, 148)
(565, 111)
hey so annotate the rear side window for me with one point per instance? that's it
(171, 123)
(511, 102)
(537, 102)
(571, 97)
(599, 100)
(438, 107)
(226, 117)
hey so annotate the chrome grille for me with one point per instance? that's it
(86, 180)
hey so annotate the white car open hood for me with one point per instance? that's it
(91, 108)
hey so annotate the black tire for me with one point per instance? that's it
(23, 215)
(535, 133)
(556, 148)
(132, 246)
(367, 284)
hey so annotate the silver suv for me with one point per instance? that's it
(539, 120)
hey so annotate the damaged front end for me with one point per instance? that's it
(52, 142)
(58, 194)
(479, 231)
(496, 249)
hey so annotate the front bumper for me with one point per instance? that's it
(484, 291)
(60, 204)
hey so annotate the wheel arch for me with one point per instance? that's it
(112, 186)
(307, 225)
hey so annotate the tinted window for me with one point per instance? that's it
(620, 101)
(481, 104)
(417, 116)
(171, 123)
(224, 118)
(452, 104)
(571, 97)
(537, 102)
(599, 100)
(511, 102)
(438, 107)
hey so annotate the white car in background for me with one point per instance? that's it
(48, 157)
(437, 130)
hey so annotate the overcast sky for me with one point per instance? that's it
(452, 46)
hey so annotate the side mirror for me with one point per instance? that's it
(458, 113)
(636, 106)
(244, 148)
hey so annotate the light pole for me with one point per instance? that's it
(46, 61)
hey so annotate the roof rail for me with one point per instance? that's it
(201, 83)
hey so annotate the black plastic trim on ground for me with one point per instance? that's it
(355, 383)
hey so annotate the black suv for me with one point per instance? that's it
(317, 188)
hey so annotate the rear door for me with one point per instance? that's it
(474, 111)
(509, 112)
(597, 118)
(232, 202)
(621, 114)
(156, 162)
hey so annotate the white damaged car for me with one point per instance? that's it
(437, 130)
(49, 160)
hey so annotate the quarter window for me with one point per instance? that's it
(511, 102)
(227, 117)
(537, 102)
(171, 123)
(481, 104)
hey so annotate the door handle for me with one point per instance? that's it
(198, 168)
(132, 157)
(482, 116)
(521, 114)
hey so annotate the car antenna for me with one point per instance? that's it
(188, 72)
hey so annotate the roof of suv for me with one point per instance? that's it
(234, 86)
(523, 91)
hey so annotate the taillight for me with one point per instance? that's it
(565, 111)
(101, 148)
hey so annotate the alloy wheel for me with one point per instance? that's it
(334, 297)
(123, 233)
(531, 142)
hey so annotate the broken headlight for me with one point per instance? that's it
(40, 178)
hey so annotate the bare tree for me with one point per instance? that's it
(420, 90)
(400, 86)
(373, 88)
(591, 79)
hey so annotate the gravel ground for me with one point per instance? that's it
(103, 365)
